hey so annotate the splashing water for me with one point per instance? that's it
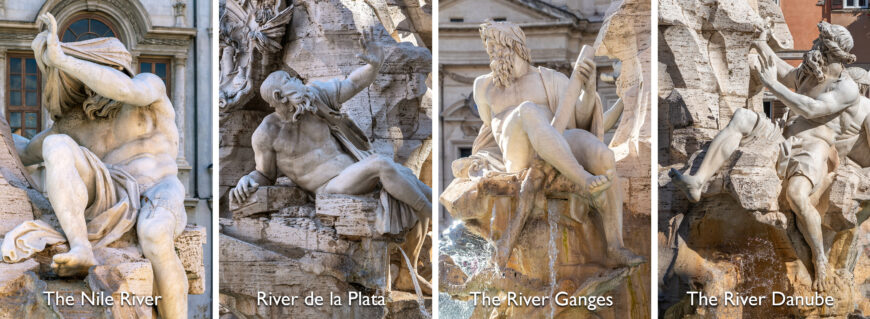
(552, 219)
(472, 254)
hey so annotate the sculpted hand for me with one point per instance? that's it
(53, 52)
(243, 190)
(584, 70)
(766, 69)
(372, 52)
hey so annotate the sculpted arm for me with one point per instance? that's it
(845, 93)
(362, 77)
(30, 152)
(264, 155)
(266, 170)
(142, 90)
(479, 92)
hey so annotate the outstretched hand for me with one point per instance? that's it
(372, 52)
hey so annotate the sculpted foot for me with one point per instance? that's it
(597, 184)
(689, 184)
(623, 257)
(75, 262)
(821, 275)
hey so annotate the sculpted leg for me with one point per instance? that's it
(69, 181)
(362, 177)
(554, 149)
(598, 159)
(721, 148)
(810, 224)
(156, 227)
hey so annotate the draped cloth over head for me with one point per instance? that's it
(61, 90)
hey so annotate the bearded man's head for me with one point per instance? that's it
(832, 46)
(503, 42)
(287, 95)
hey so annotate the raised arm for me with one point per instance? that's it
(362, 77)
(845, 93)
(142, 90)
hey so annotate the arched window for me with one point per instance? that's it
(86, 27)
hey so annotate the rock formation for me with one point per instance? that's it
(289, 241)
(742, 236)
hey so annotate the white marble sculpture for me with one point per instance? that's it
(823, 130)
(321, 150)
(109, 163)
(531, 112)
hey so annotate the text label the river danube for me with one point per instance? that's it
(776, 299)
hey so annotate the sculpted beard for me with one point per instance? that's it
(289, 112)
(813, 63)
(502, 66)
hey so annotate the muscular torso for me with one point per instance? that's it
(306, 151)
(501, 101)
(141, 140)
(841, 129)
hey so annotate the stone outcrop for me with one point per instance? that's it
(741, 237)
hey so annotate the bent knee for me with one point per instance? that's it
(798, 192)
(156, 230)
(744, 119)
(382, 163)
(58, 146)
(527, 108)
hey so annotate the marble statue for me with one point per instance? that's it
(321, 150)
(109, 163)
(531, 112)
(824, 129)
(248, 32)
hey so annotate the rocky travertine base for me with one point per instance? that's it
(744, 235)
(121, 269)
(328, 247)
(578, 268)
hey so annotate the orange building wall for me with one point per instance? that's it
(803, 15)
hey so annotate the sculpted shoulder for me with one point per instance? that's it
(267, 130)
(481, 84)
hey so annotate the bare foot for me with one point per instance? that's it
(623, 257)
(690, 185)
(596, 184)
(75, 262)
(821, 274)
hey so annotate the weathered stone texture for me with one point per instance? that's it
(741, 237)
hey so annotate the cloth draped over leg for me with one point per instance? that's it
(392, 216)
(112, 214)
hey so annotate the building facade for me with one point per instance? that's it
(555, 32)
(170, 38)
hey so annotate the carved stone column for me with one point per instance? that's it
(179, 62)
(3, 80)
